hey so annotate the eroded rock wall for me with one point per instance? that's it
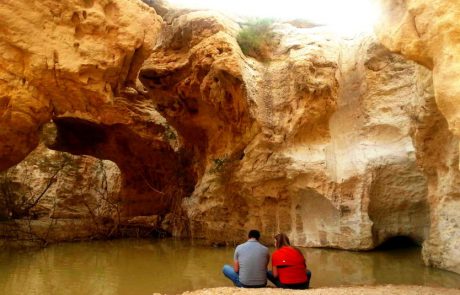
(427, 32)
(437, 154)
(371, 138)
(315, 142)
(51, 51)
(76, 63)
(320, 142)
(195, 79)
(53, 196)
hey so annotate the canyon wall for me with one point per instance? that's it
(428, 33)
(51, 51)
(76, 63)
(315, 142)
(337, 142)
(53, 196)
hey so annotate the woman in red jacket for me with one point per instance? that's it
(289, 269)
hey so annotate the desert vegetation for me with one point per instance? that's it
(256, 38)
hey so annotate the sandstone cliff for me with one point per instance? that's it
(427, 32)
(315, 142)
(76, 63)
(66, 59)
(52, 196)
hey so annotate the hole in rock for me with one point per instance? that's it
(77, 135)
(398, 242)
(151, 78)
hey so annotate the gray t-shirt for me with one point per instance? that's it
(253, 259)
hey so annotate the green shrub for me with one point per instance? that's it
(256, 38)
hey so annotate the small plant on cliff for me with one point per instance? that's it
(223, 168)
(256, 38)
(169, 133)
(218, 165)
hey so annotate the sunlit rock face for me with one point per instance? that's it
(427, 32)
(315, 142)
(371, 136)
(437, 154)
(66, 58)
(76, 63)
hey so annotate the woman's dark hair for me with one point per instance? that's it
(282, 240)
(253, 233)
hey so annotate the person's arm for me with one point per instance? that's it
(275, 265)
(275, 271)
(236, 266)
(268, 259)
(236, 263)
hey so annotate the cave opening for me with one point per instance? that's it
(398, 242)
(78, 136)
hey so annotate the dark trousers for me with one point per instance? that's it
(277, 282)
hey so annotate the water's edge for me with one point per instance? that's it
(173, 266)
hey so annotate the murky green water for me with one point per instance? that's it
(172, 266)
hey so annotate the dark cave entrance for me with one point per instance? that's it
(79, 137)
(398, 242)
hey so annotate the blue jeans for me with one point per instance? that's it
(230, 273)
(277, 282)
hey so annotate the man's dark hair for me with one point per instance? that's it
(253, 233)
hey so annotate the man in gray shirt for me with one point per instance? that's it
(250, 263)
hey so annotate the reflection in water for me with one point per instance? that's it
(173, 266)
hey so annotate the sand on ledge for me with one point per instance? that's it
(357, 290)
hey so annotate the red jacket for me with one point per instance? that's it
(291, 265)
